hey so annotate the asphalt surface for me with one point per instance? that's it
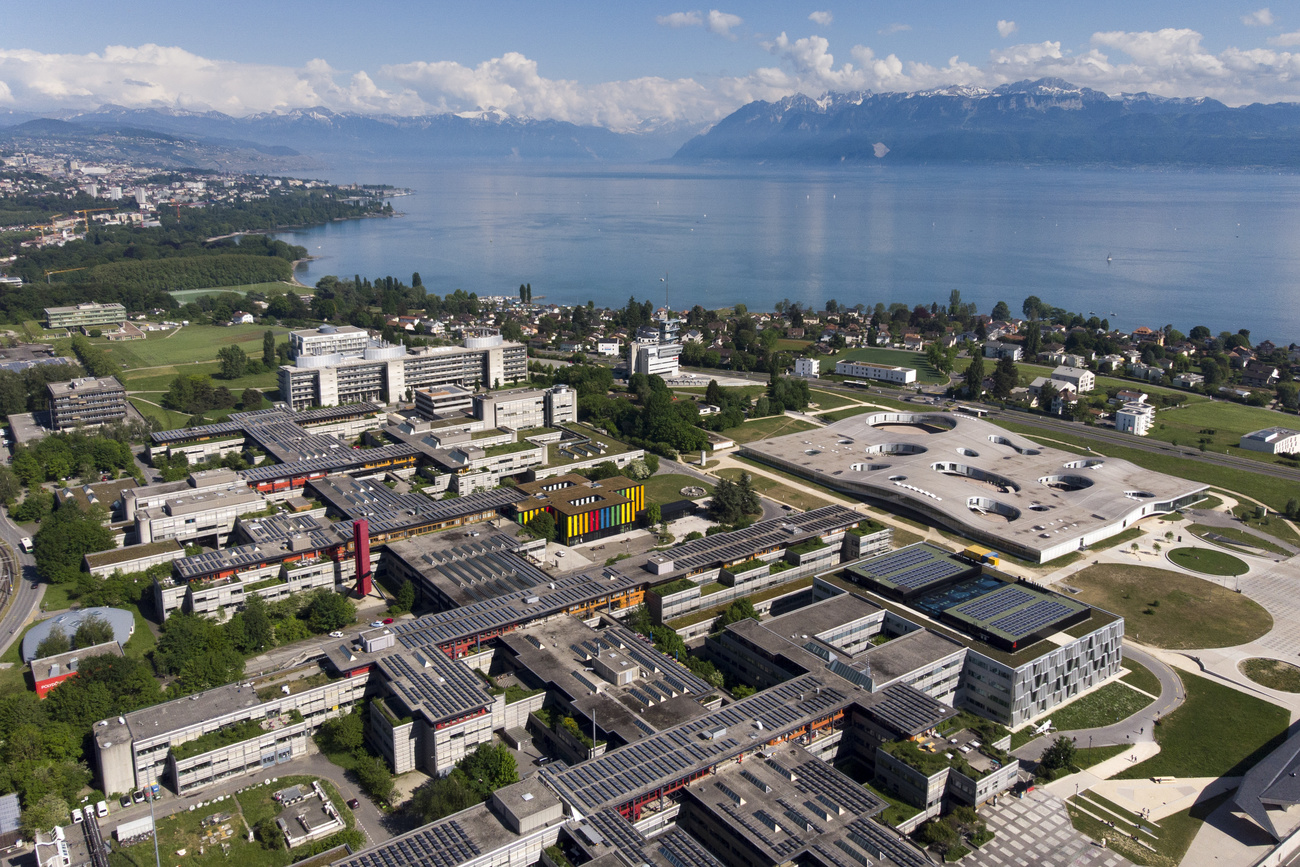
(1138, 728)
(17, 568)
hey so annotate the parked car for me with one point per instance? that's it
(353, 803)
(377, 623)
(336, 635)
(138, 796)
(125, 800)
(387, 620)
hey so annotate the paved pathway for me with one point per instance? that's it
(1035, 832)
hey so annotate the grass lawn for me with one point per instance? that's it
(792, 477)
(1087, 757)
(1140, 676)
(841, 414)
(898, 809)
(777, 491)
(1272, 673)
(1266, 489)
(185, 296)
(1103, 707)
(1270, 524)
(1208, 561)
(828, 400)
(189, 344)
(667, 487)
(766, 428)
(1170, 610)
(1228, 420)
(169, 419)
(160, 379)
(1227, 536)
(1118, 539)
(1216, 732)
(897, 357)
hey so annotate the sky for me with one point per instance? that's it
(622, 65)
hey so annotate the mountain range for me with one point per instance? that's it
(1044, 121)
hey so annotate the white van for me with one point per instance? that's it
(27, 544)
(101, 809)
(76, 817)
(89, 810)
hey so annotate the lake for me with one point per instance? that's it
(1185, 248)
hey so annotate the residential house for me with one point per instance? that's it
(913, 342)
(1083, 380)
(608, 347)
(1142, 334)
(1146, 372)
(994, 349)
(1260, 375)
(239, 317)
(1135, 418)
(1188, 380)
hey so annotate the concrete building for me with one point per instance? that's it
(327, 340)
(995, 349)
(807, 367)
(1082, 379)
(197, 516)
(377, 371)
(51, 671)
(86, 314)
(86, 402)
(656, 350)
(1272, 440)
(607, 347)
(881, 372)
(1135, 417)
(583, 510)
(525, 408)
(974, 477)
(437, 401)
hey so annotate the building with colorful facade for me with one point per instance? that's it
(583, 510)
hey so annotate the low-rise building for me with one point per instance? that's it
(524, 408)
(807, 367)
(51, 671)
(996, 349)
(1082, 379)
(881, 372)
(1135, 418)
(88, 313)
(1273, 441)
(85, 402)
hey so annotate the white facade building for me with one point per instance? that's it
(1135, 418)
(882, 372)
(1273, 441)
(1082, 379)
(808, 367)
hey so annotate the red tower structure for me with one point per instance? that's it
(361, 546)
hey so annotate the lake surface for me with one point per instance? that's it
(1185, 248)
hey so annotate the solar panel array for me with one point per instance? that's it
(906, 709)
(443, 844)
(741, 544)
(816, 778)
(993, 604)
(443, 689)
(477, 571)
(911, 568)
(387, 510)
(883, 843)
(683, 850)
(1029, 620)
(338, 461)
(238, 422)
(675, 753)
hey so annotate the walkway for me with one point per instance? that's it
(1036, 830)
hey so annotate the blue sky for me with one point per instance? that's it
(621, 64)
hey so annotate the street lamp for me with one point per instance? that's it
(157, 860)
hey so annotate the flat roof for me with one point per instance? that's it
(739, 545)
(812, 620)
(430, 683)
(163, 719)
(912, 570)
(133, 552)
(903, 655)
(386, 510)
(1016, 612)
(63, 663)
(87, 383)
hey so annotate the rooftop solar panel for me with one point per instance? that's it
(993, 604)
(1031, 619)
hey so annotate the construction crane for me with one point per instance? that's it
(61, 271)
(49, 226)
(86, 212)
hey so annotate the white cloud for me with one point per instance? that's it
(822, 18)
(1258, 18)
(1006, 28)
(894, 28)
(681, 19)
(1285, 40)
(722, 23)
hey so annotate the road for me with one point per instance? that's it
(18, 567)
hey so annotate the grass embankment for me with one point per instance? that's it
(1271, 491)
(1103, 707)
(1171, 610)
(826, 400)
(1272, 673)
(1208, 561)
(1235, 539)
(1270, 525)
(1217, 732)
(1163, 843)
(776, 490)
(1140, 676)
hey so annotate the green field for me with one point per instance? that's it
(1207, 561)
(185, 296)
(1106, 706)
(1171, 610)
(777, 491)
(1140, 676)
(188, 345)
(667, 487)
(826, 400)
(1271, 491)
(1270, 525)
(1272, 673)
(766, 428)
(1216, 732)
(925, 373)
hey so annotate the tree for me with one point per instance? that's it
(1001, 311)
(1033, 307)
(739, 610)
(55, 642)
(975, 376)
(1046, 394)
(374, 776)
(542, 526)
(490, 765)
(233, 362)
(416, 282)
(47, 812)
(251, 400)
(268, 832)
(91, 631)
(653, 514)
(259, 634)
(405, 600)
(1059, 755)
(344, 734)
(10, 486)
(65, 538)
(1005, 377)
(329, 611)
(268, 349)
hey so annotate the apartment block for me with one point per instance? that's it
(87, 314)
(87, 401)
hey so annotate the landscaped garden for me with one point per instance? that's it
(1208, 561)
(1272, 673)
